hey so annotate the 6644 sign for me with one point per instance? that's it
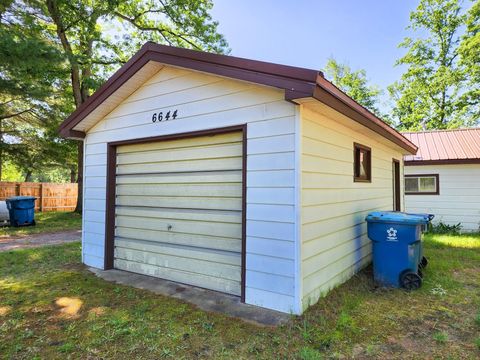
(161, 116)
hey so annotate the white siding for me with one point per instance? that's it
(459, 198)
(203, 102)
(333, 231)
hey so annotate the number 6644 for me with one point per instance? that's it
(164, 117)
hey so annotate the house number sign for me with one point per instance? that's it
(165, 116)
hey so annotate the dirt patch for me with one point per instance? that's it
(29, 241)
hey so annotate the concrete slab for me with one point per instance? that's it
(204, 299)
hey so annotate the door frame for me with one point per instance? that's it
(397, 198)
(111, 187)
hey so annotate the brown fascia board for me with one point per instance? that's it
(297, 82)
(441, 162)
(332, 96)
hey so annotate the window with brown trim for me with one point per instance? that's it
(422, 184)
(362, 160)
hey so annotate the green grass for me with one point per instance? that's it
(51, 307)
(46, 222)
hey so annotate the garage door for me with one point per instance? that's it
(178, 210)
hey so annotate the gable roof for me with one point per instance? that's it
(298, 83)
(461, 146)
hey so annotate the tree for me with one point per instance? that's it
(97, 36)
(29, 73)
(355, 85)
(430, 94)
(470, 58)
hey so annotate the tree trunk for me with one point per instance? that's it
(28, 176)
(73, 175)
(79, 207)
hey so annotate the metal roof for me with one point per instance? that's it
(445, 146)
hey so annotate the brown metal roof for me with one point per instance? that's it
(445, 146)
(297, 82)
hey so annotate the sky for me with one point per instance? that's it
(361, 33)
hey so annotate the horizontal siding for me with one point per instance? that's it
(459, 198)
(333, 229)
(204, 102)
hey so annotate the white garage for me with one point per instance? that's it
(234, 175)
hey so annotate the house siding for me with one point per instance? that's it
(459, 198)
(204, 101)
(333, 228)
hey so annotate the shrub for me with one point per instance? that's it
(442, 228)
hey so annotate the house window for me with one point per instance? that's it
(421, 184)
(362, 163)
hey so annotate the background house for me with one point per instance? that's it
(234, 175)
(443, 178)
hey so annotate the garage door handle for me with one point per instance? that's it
(169, 227)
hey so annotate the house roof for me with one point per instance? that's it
(298, 83)
(461, 146)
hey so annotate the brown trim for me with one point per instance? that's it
(244, 212)
(397, 204)
(330, 95)
(110, 206)
(111, 184)
(436, 192)
(368, 177)
(297, 82)
(74, 134)
(441, 162)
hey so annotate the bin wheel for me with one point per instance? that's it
(410, 281)
(423, 263)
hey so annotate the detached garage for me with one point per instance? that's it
(234, 175)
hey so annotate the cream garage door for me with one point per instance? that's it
(178, 210)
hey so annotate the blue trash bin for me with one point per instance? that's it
(21, 210)
(397, 248)
(423, 262)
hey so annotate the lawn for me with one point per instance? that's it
(52, 307)
(46, 222)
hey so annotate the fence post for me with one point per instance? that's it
(17, 189)
(41, 197)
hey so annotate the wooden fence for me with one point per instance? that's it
(50, 196)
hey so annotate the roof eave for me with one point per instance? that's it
(441, 162)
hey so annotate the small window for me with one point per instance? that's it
(421, 184)
(362, 163)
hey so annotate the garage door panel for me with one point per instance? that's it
(210, 282)
(190, 190)
(232, 176)
(197, 153)
(218, 270)
(181, 202)
(182, 226)
(204, 241)
(229, 163)
(186, 252)
(183, 143)
(183, 214)
(178, 210)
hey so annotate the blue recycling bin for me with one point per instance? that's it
(397, 247)
(21, 210)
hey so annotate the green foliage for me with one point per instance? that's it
(442, 228)
(469, 51)
(354, 84)
(55, 53)
(440, 337)
(432, 92)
